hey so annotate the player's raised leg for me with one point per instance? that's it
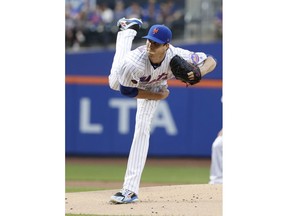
(127, 31)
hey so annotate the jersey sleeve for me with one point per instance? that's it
(129, 75)
(197, 58)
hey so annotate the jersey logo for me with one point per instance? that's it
(145, 79)
(163, 76)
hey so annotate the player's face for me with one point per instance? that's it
(154, 48)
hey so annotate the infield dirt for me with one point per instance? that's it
(185, 200)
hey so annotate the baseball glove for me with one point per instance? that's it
(180, 68)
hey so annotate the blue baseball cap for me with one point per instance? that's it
(160, 34)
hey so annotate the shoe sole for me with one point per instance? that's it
(112, 201)
(138, 21)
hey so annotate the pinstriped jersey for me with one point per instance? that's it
(137, 71)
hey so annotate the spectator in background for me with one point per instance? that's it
(170, 14)
(69, 27)
(107, 18)
(94, 19)
(133, 11)
(119, 10)
(75, 17)
(218, 24)
(107, 14)
(93, 25)
(150, 12)
(216, 172)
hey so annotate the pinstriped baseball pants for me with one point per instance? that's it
(140, 145)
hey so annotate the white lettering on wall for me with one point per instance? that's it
(163, 117)
(124, 106)
(85, 126)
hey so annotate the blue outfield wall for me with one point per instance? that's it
(100, 121)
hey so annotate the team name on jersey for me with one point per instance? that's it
(147, 79)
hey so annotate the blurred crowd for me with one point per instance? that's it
(91, 23)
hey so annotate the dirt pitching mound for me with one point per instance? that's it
(196, 200)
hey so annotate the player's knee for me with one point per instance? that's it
(113, 83)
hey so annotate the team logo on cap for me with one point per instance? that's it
(155, 30)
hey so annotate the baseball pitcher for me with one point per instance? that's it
(142, 74)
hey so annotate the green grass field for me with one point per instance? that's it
(151, 174)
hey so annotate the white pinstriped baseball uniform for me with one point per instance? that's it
(216, 168)
(216, 171)
(133, 69)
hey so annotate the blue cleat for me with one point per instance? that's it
(132, 23)
(123, 197)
